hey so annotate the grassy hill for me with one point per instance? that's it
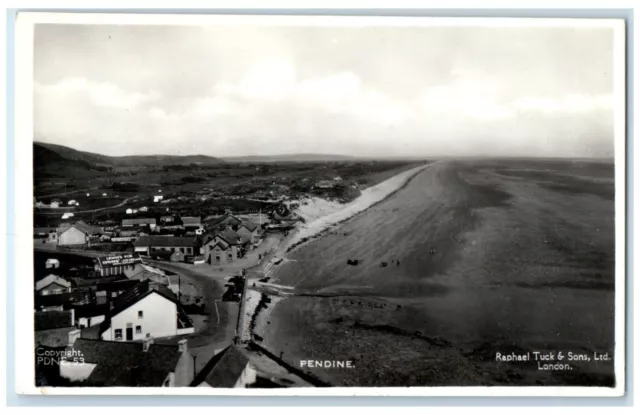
(52, 160)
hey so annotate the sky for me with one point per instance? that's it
(369, 91)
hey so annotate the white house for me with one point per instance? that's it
(104, 194)
(129, 211)
(148, 310)
(144, 209)
(78, 234)
(71, 202)
(52, 284)
(157, 198)
(52, 263)
(55, 204)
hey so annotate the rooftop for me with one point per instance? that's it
(224, 369)
(138, 221)
(48, 320)
(126, 363)
(165, 241)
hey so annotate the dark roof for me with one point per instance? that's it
(249, 225)
(57, 299)
(126, 363)
(139, 221)
(47, 320)
(116, 260)
(191, 220)
(226, 219)
(137, 293)
(161, 253)
(164, 241)
(89, 282)
(229, 236)
(224, 369)
(118, 285)
(88, 229)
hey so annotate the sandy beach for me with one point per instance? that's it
(320, 215)
(482, 258)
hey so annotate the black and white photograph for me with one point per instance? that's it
(353, 204)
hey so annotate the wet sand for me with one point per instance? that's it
(494, 256)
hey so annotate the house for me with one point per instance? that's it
(128, 211)
(324, 184)
(224, 222)
(249, 231)
(52, 263)
(147, 310)
(157, 198)
(52, 284)
(71, 202)
(48, 234)
(144, 209)
(148, 244)
(104, 195)
(78, 234)
(55, 203)
(116, 264)
(129, 223)
(223, 247)
(127, 364)
(191, 222)
(228, 369)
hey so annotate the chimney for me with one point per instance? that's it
(182, 346)
(73, 336)
(73, 316)
(146, 343)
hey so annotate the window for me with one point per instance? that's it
(140, 314)
(230, 256)
(217, 258)
(118, 333)
(148, 335)
(138, 329)
(182, 250)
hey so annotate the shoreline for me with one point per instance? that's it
(325, 224)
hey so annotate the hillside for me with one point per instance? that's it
(52, 160)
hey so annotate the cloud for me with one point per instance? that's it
(365, 91)
(100, 94)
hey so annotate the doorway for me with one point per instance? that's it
(129, 333)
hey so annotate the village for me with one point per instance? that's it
(152, 285)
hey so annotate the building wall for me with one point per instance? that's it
(53, 337)
(54, 288)
(212, 251)
(72, 236)
(159, 319)
(183, 375)
(90, 321)
(247, 377)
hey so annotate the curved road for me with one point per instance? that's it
(124, 202)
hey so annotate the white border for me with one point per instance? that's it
(23, 201)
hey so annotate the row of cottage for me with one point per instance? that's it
(217, 241)
(131, 332)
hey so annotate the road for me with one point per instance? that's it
(221, 316)
(124, 202)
